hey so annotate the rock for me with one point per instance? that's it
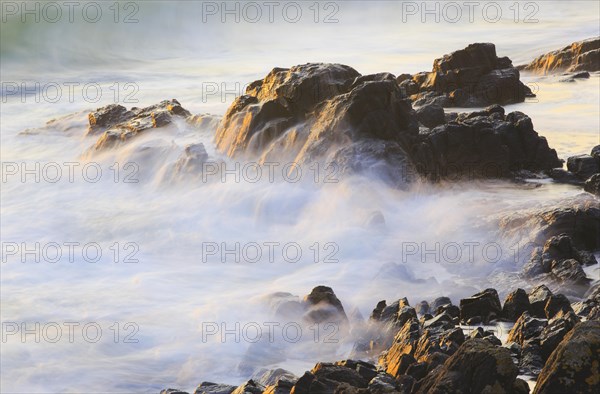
(558, 327)
(592, 185)
(117, 124)
(405, 314)
(214, 388)
(326, 378)
(322, 112)
(417, 370)
(442, 320)
(583, 166)
(477, 367)
(282, 386)
(579, 56)
(324, 306)
(422, 308)
(532, 361)
(269, 377)
(485, 305)
(573, 367)
(431, 115)
(382, 383)
(172, 391)
(515, 304)
(484, 144)
(405, 342)
(364, 369)
(250, 387)
(192, 159)
(376, 314)
(470, 77)
(563, 176)
(451, 310)
(439, 302)
(555, 304)
(538, 297)
(525, 329)
(570, 272)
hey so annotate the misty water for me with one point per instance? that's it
(172, 291)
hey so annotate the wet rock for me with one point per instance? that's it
(326, 378)
(515, 304)
(555, 304)
(470, 77)
(192, 159)
(404, 342)
(558, 327)
(451, 310)
(579, 56)
(322, 112)
(526, 328)
(116, 124)
(422, 308)
(484, 144)
(570, 272)
(250, 387)
(417, 370)
(485, 305)
(269, 377)
(538, 297)
(324, 306)
(532, 360)
(431, 115)
(573, 367)
(476, 367)
(382, 383)
(439, 302)
(172, 391)
(592, 185)
(583, 166)
(376, 314)
(442, 320)
(214, 388)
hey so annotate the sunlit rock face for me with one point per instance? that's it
(579, 56)
(471, 77)
(323, 112)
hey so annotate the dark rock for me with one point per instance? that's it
(579, 56)
(592, 185)
(515, 304)
(451, 310)
(583, 166)
(326, 378)
(431, 115)
(570, 272)
(526, 328)
(485, 305)
(471, 77)
(405, 342)
(442, 320)
(172, 391)
(382, 383)
(269, 377)
(422, 308)
(439, 302)
(558, 327)
(118, 124)
(324, 306)
(573, 365)
(376, 314)
(484, 144)
(532, 360)
(557, 303)
(538, 297)
(494, 340)
(563, 176)
(364, 369)
(250, 387)
(476, 367)
(405, 314)
(214, 388)
(417, 370)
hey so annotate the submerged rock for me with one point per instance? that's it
(470, 77)
(579, 56)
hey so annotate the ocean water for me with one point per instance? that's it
(163, 291)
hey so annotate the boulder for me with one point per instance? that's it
(558, 327)
(592, 185)
(538, 297)
(515, 304)
(485, 305)
(431, 115)
(439, 302)
(579, 56)
(526, 329)
(483, 144)
(471, 77)
(573, 367)
(477, 367)
(214, 388)
(327, 378)
(250, 387)
(555, 304)
(583, 166)
(172, 391)
(324, 306)
(116, 124)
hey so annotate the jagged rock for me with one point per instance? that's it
(325, 378)
(515, 304)
(382, 383)
(573, 367)
(526, 328)
(269, 377)
(324, 306)
(532, 360)
(583, 166)
(323, 112)
(376, 314)
(442, 320)
(439, 302)
(484, 144)
(172, 391)
(538, 297)
(592, 185)
(431, 115)
(214, 388)
(555, 304)
(579, 56)
(405, 342)
(422, 308)
(250, 387)
(451, 310)
(556, 330)
(192, 159)
(470, 77)
(117, 124)
(485, 305)
(477, 367)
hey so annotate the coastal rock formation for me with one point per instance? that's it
(579, 56)
(484, 306)
(114, 123)
(515, 304)
(471, 77)
(574, 366)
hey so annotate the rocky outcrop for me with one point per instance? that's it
(579, 56)
(483, 144)
(574, 366)
(322, 112)
(592, 185)
(515, 304)
(477, 367)
(481, 307)
(471, 77)
(115, 124)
